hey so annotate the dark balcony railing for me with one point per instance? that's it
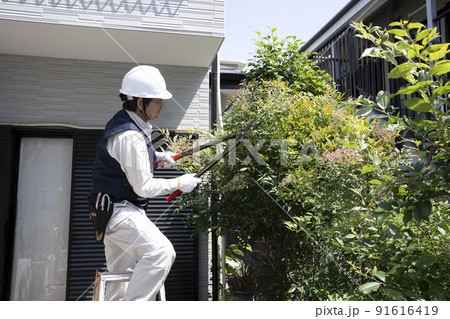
(340, 58)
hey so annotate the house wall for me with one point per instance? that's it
(85, 93)
(47, 91)
(62, 63)
(203, 17)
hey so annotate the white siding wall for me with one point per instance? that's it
(200, 17)
(85, 93)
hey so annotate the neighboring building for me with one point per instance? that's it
(338, 51)
(231, 77)
(61, 66)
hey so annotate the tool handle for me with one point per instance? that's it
(174, 195)
(175, 157)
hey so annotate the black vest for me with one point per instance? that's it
(107, 175)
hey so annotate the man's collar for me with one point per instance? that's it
(144, 126)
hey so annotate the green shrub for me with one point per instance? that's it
(410, 254)
(287, 191)
(280, 60)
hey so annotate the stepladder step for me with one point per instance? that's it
(102, 279)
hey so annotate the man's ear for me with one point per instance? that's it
(140, 104)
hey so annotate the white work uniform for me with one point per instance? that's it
(132, 241)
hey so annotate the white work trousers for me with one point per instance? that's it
(134, 243)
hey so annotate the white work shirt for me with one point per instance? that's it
(130, 150)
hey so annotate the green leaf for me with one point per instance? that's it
(415, 25)
(399, 32)
(439, 53)
(436, 293)
(348, 144)
(381, 275)
(371, 52)
(364, 111)
(394, 228)
(407, 216)
(402, 45)
(414, 51)
(385, 206)
(375, 182)
(442, 231)
(358, 208)
(441, 90)
(422, 34)
(396, 269)
(368, 168)
(384, 37)
(425, 261)
(238, 252)
(389, 56)
(430, 37)
(374, 270)
(369, 287)
(375, 159)
(418, 105)
(414, 88)
(422, 210)
(381, 219)
(394, 294)
(419, 166)
(401, 70)
(394, 24)
(383, 99)
(440, 68)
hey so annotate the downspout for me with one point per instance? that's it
(431, 13)
(213, 96)
(218, 97)
(215, 93)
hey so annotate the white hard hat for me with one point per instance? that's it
(145, 81)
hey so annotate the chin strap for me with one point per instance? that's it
(143, 112)
(145, 115)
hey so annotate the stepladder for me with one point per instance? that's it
(102, 279)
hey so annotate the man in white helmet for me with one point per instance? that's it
(124, 172)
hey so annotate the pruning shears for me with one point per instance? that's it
(239, 137)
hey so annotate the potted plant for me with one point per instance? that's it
(240, 275)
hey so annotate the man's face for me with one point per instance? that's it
(153, 108)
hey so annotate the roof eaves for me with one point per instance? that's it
(330, 24)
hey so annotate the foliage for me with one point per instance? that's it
(281, 60)
(296, 168)
(240, 273)
(415, 203)
(332, 209)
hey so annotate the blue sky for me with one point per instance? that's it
(302, 18)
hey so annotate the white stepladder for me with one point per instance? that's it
(101, 279)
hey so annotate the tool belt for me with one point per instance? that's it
(100, 210)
